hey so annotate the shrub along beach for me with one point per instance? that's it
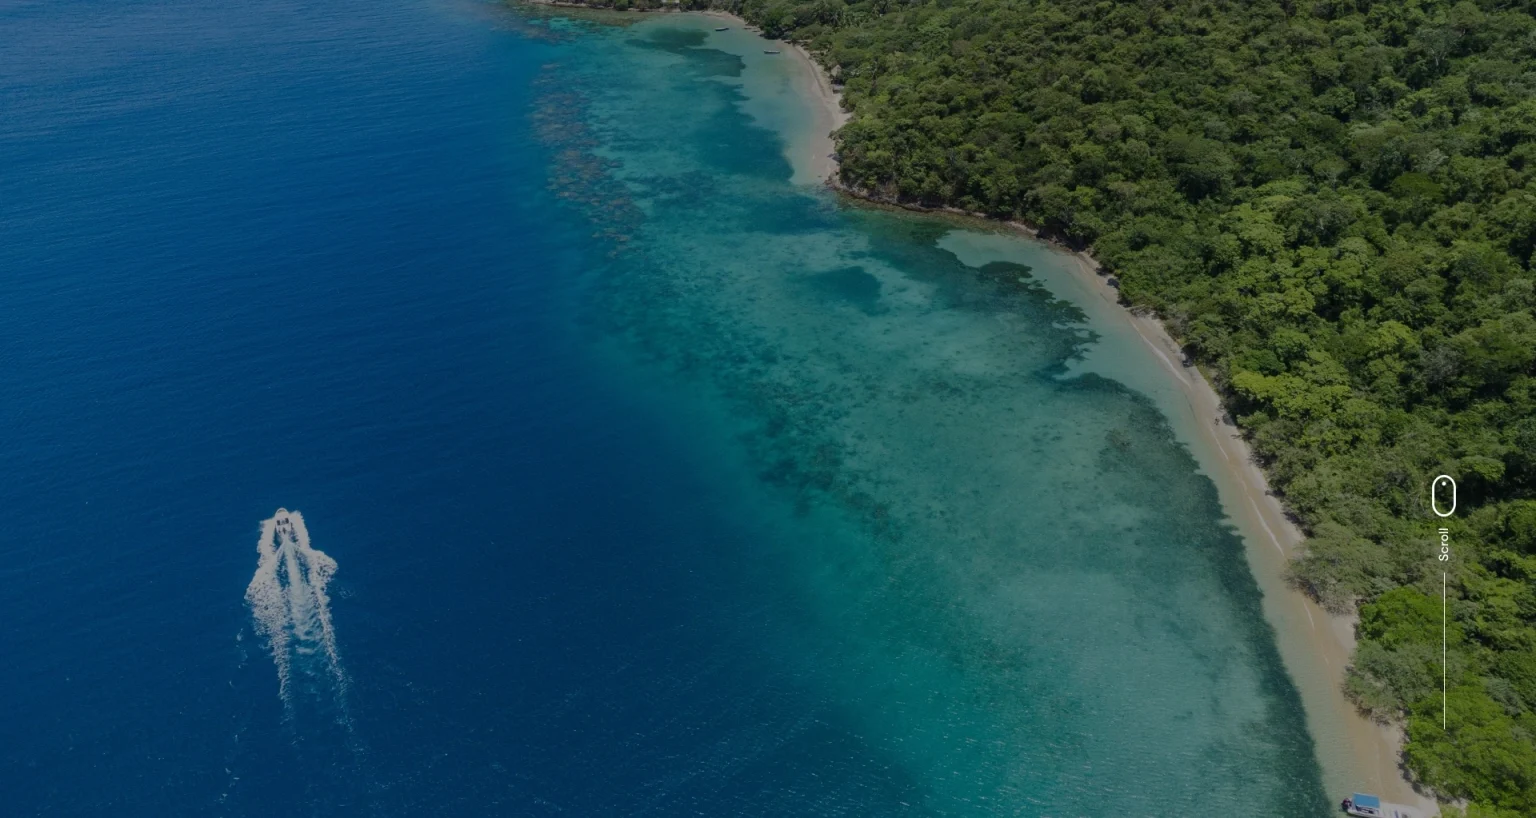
(1329, 205)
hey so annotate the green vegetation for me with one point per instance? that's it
(1330, 203)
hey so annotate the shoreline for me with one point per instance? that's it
(814, 164)
(1355, 753)
(822, 161)
(1375, 748)
(1315, 645)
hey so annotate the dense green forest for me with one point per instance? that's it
(1331, 204)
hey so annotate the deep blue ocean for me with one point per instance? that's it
(617, 529)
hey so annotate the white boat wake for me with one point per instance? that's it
(290, 607)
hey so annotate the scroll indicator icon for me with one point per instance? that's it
(1437, 490)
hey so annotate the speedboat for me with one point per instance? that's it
(723, 28)
(765, 51)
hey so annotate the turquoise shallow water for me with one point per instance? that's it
(1012, 577)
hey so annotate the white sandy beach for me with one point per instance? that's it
(831, 102)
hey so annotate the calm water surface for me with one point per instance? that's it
(656, 483)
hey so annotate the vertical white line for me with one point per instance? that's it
(1443, 694)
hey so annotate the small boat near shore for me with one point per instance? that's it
(723, 28)
(1369, 806)
(765, 51)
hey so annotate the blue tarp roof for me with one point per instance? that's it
(1366, 801)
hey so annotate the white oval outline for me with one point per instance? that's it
(1433, 505)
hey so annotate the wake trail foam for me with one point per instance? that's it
(289, 605)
